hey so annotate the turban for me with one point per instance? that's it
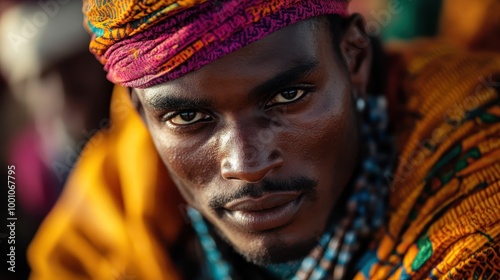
(143, 43)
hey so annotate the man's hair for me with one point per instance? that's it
(337, 25)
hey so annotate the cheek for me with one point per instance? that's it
(339, 141)
(323, 146)
(190, 162)
(325, 136)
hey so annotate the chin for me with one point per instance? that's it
(272, 248)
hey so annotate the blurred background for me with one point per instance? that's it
(54, 95)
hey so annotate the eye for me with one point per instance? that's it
(188, 117)
(287, 96)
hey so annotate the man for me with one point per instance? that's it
(259, 111)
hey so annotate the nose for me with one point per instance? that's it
(248, 158)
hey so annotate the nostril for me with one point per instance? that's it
(250, 155)
(274, 155)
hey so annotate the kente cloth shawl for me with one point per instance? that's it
(145, 43)
(445, 198)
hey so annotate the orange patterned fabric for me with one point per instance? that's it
(112, 21)
(445, 222)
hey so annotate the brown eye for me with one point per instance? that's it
(287, 96)
(188, 117)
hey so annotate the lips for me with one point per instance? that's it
(267, 212)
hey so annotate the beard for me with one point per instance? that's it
(275, 253)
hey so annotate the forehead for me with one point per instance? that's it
(298, 44)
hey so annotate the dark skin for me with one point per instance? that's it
(279, 109)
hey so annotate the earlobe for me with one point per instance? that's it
(356, 50)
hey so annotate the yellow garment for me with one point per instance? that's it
(120, 213)
(117, 213)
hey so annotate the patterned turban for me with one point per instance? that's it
(143, 43)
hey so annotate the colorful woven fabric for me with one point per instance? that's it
(445, 222)
(144, 43)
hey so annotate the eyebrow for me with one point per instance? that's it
(299, 70)
(169, 103)
(292, 74)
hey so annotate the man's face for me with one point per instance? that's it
(262, 141)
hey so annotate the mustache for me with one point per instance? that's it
(296, 184)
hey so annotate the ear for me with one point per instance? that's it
(357, 52)
(136, 102)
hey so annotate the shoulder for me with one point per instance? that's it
(445, 190)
